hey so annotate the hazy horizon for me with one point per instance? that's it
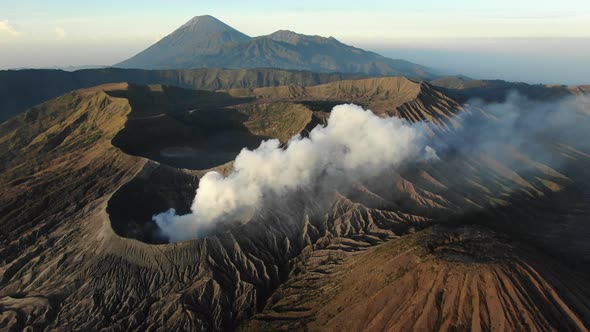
(529, 41)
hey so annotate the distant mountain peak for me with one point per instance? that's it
(200, 35)
(200, 18)
(291, 37)
(286, 36)
(285, 33)
(206, 24)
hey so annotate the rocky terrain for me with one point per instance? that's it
(440, 279)
(83, 173)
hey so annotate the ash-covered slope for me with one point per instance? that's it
(75, 204)
(440, 279)
(205, 42)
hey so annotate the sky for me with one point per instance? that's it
(529, 40)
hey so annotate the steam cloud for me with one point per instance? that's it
(529, 126)
(355, 144)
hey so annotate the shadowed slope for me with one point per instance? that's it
(183, 128)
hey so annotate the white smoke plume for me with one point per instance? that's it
(355, 144)
(530, 126)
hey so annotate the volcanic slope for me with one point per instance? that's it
(75, 204)
(441, 279)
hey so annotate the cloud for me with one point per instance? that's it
(7, 28)
(355, 145)
(60, 33)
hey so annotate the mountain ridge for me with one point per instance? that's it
(205, 42)
(22, 89)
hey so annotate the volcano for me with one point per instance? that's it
(205, 42)
(465, 242)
